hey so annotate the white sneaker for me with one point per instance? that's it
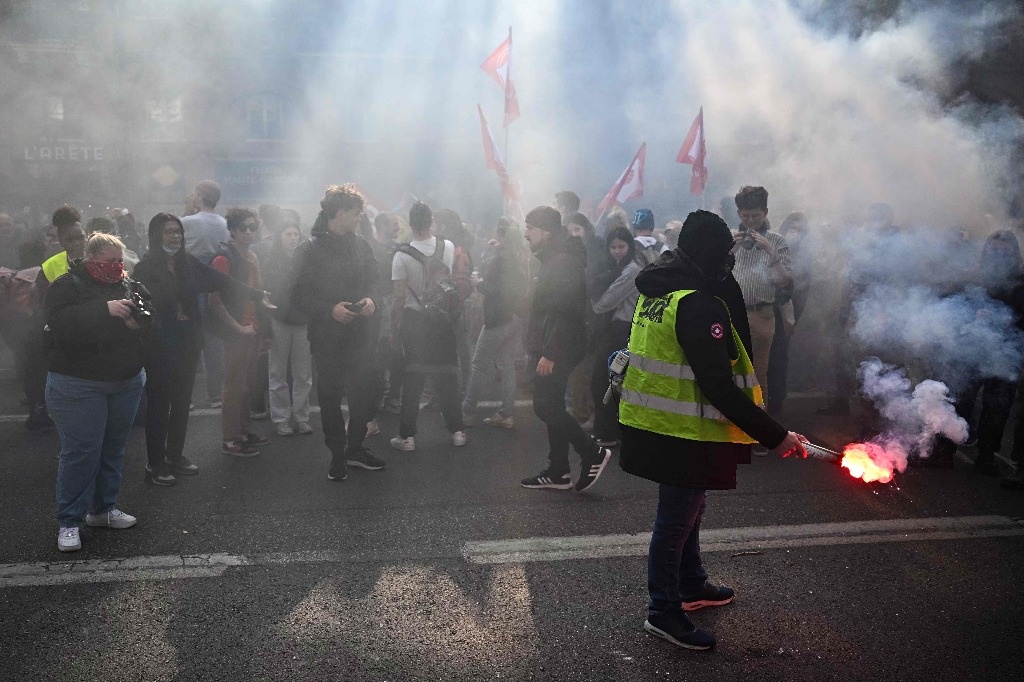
(371, 428)
(404, 444)
(68, 540)
(285, 429)
(115, 518)
(304, 428)
(459, 439)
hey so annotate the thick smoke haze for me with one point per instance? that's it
(959, 338)
(829, 119)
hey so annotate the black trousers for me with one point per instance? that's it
(429, 350)
(777, 389)
(170, 376)
(997, 401)
(352, 374)
(563, 429)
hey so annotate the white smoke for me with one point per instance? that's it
(959, 338)
(915, 415)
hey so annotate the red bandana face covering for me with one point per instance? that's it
(107, 273)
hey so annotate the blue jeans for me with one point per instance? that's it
(674, 568)
(494, 346)
(93, 420)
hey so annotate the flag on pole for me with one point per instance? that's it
(630, 184)
(693, 152)
(499, 67)
(494, 161)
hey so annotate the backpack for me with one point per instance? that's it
(645, 255)
(441, 300)
(19, 297)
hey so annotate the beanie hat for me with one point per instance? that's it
(643, 219)
(706, 239)
(545, 218)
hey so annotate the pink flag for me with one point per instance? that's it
(630, 184)
(693, 152)
(499, 67)
(494, 160)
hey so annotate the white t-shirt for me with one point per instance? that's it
(405, 267)
(204, 233)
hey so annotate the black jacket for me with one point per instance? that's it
(191, 278)
(557, 328)
(85, 340)
(688, 463)
(331, 268)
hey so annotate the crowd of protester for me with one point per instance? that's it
(375, 311)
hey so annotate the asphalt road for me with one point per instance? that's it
(375, 578)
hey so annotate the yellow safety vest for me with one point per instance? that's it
(55, 266)
(660, 392)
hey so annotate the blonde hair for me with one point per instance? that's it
(101, 240)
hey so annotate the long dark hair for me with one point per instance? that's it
(622, 234)
(156, 238)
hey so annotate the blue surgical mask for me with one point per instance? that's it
(171, 251)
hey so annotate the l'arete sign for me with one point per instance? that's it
(63, 153)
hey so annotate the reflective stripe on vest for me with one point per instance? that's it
(682, 371)
(660, 392)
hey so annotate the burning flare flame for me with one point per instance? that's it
(868, 462)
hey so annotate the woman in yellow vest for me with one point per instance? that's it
(690, 410)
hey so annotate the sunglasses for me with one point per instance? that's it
(248, 227)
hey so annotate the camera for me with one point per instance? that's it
(139, 295)
(356, 307)
(747, 242)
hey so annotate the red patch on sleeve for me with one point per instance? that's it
(717, 331)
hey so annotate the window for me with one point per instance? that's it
(265, 117)
(63, 116)
(163, 120)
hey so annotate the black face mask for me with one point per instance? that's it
(726, 268)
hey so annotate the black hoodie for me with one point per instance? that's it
(688, 463)
(557, 329)
(331, 268)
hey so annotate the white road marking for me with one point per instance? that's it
(69, 572)
(746, 539)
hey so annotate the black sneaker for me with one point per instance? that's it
(364, 459)
(162, 476)
(182, 466)
(709, 595)
(255, 440)
(591, 468)
(677, 629)
(338, 471)
(546, 479)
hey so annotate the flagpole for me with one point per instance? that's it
(508, 79)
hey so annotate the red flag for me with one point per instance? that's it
(630, 184)
(693, 152)
(499, 67)
(494, 160)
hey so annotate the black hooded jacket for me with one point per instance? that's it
(557, 329)
(331, 268)
(179, 291)
(688, 463)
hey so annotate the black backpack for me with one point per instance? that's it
(440, 301)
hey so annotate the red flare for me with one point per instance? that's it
(868, 462)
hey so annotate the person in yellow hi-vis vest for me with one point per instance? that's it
(690, 410)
